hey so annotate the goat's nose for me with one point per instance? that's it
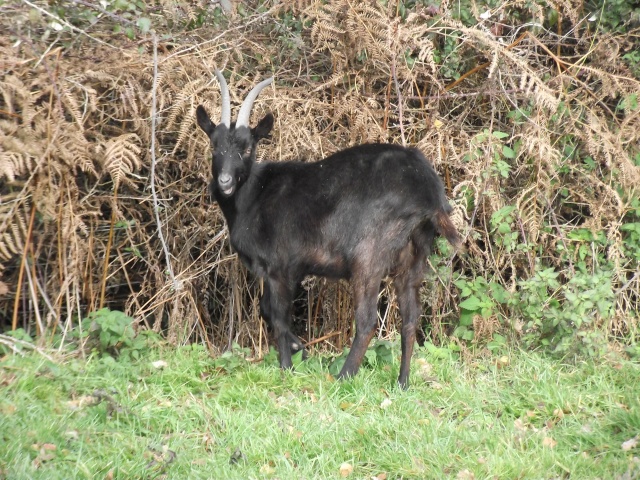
(224, 179)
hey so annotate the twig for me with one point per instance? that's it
(65, 23)
(440, 96)
(152, 176)
(400, 115)
(322, 339)
(11, 342)
(119, 18)
(484, 65)
(198, 46)
(626, 285)
(34, 299)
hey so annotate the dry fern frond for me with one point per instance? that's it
(14, 164)
(121, 158)
(13, 234)
(73, 148)
(530, 212)
(70, 103)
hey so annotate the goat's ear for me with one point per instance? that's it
(264, 127)
(204, 121)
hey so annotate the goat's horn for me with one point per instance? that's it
(225, 116)
(245, 109)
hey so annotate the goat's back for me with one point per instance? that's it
(322, 217)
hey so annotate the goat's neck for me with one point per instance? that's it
(244, 197)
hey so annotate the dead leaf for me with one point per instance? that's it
(385, 403)
(83, 401)
(159, 364)
(519, 424)
(630, 444)
(346, 469)
(8, 409)
(465, 475)
(380, 476)
(549, 442)
(425, 367)
(267, 469)
(325, 418)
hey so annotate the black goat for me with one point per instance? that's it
(360, 214)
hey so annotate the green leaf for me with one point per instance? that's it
(144, 24)
(472, 303)
(499, 135)
(460, 331)
(337, 364)
(508, 152)
(371, 356)
(499, 293)
(466, 317)
(504, 228)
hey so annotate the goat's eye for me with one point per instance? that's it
(247, 151)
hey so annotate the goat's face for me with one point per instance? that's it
(234, 144)
(234, 151)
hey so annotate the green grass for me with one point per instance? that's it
(532, 418)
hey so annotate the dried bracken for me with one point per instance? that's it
(75, 134)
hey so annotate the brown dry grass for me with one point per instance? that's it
(77, 226)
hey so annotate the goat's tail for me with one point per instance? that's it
(447, 229)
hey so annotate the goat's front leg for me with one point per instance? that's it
(365, 298)
(275, 307)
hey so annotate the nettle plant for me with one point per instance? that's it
(565, 316)
(111, 333)
(564, 304)
(482, 300)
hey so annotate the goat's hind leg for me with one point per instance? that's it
(275, 307)
(407, 284)
(365, 299)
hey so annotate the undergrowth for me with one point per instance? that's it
(529, 111)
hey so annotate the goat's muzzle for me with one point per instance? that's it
(225, 182)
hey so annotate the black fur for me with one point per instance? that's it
(360, 214)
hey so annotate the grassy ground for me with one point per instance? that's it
(521, 416)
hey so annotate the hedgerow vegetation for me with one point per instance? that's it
(528, 110)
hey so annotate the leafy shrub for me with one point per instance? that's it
(111, 332)
(564, 316)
